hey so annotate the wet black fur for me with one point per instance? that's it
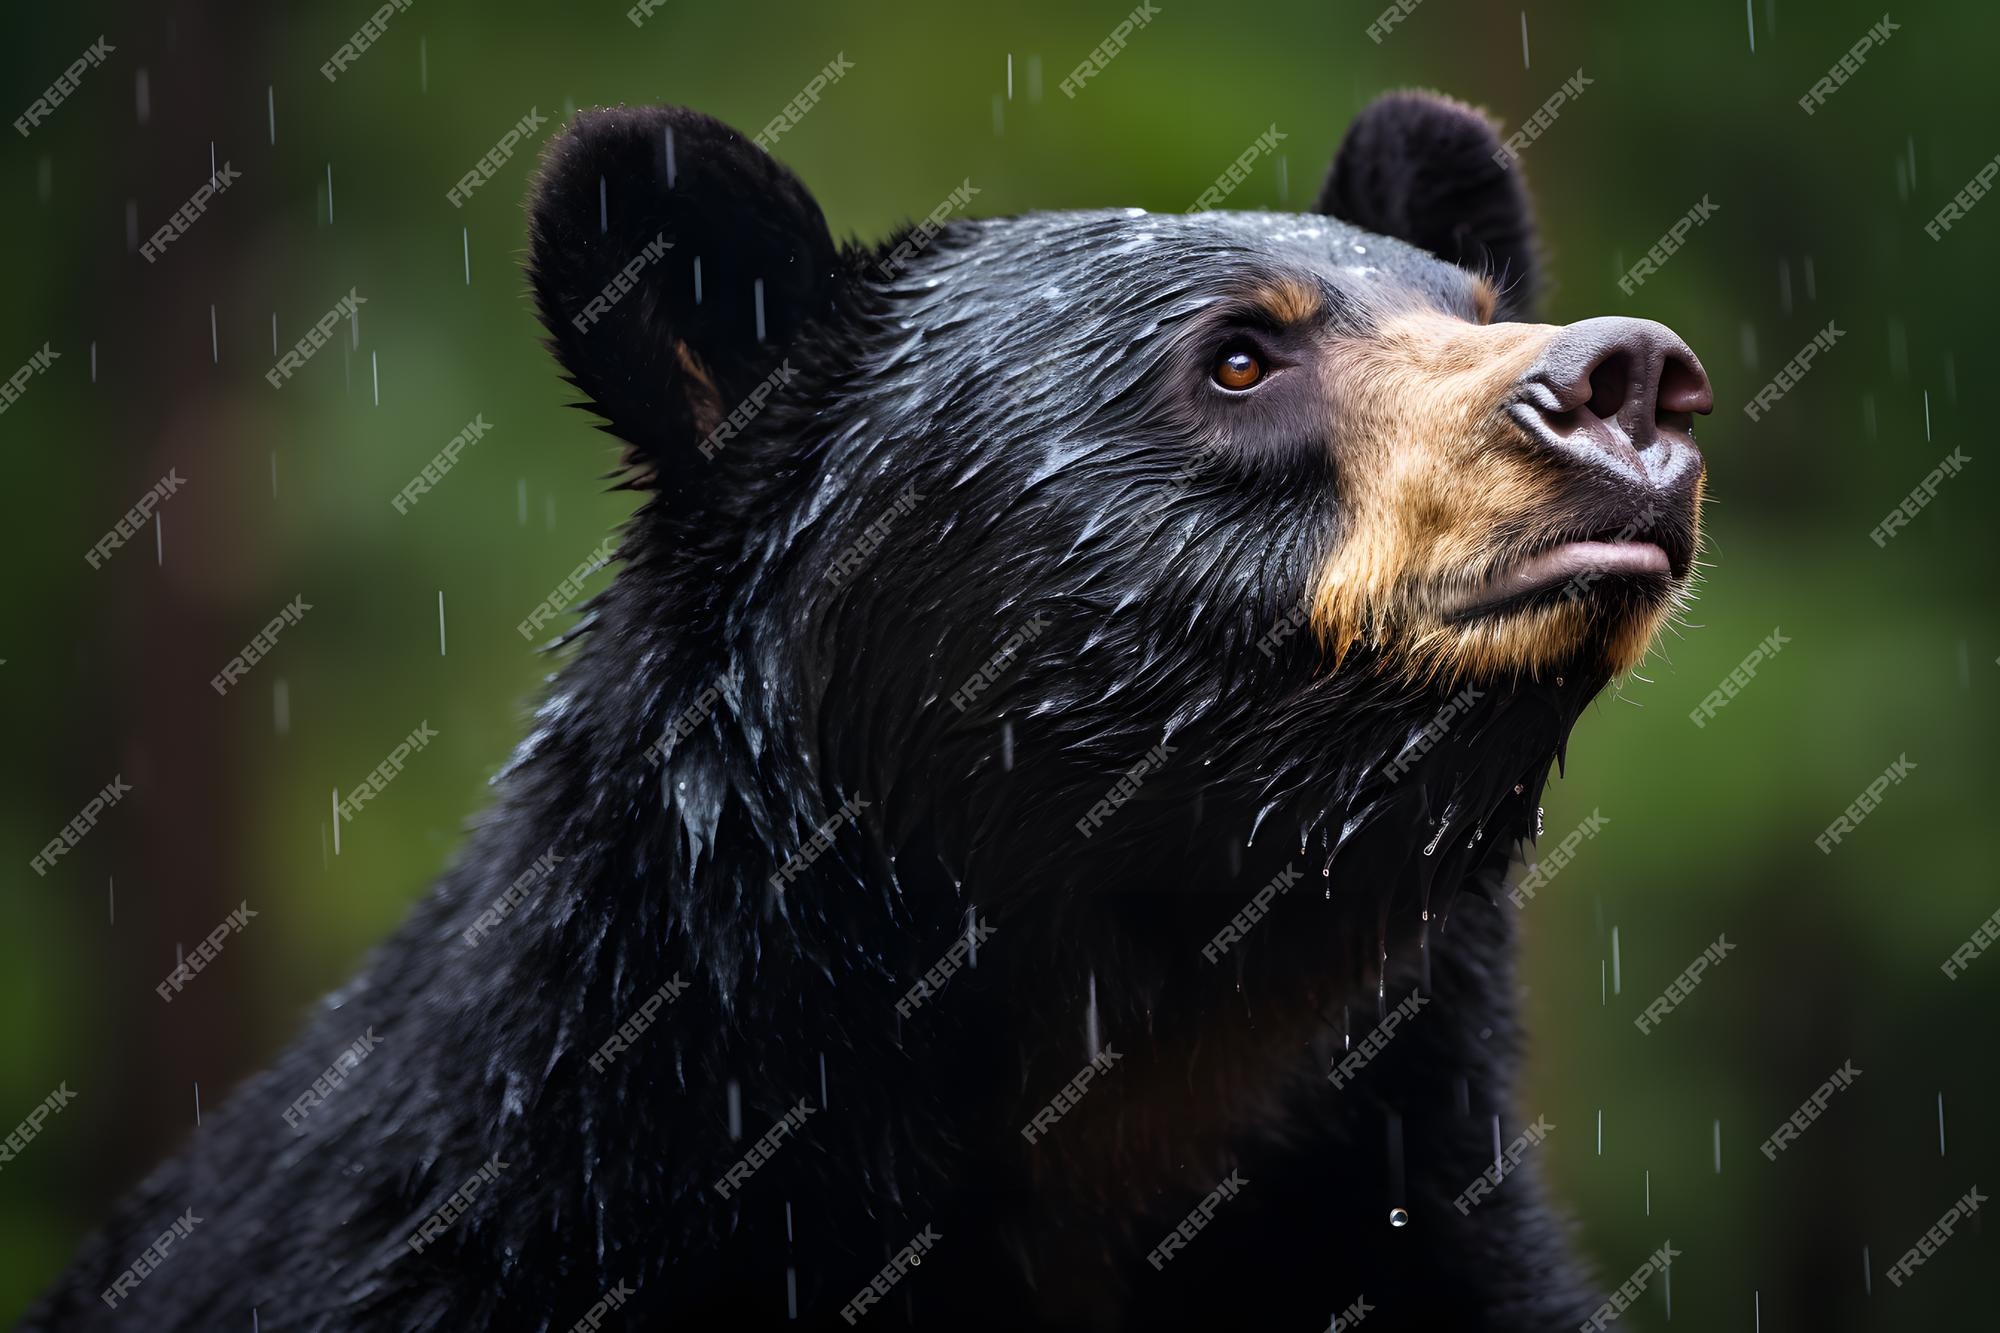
(1028, 378)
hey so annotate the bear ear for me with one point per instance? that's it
(1429, 170)
(672, 260)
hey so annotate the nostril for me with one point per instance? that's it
(1610, 385)
(1683, 388)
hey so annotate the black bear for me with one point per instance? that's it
(1022, 841)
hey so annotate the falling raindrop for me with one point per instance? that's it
(375, 371)
(1090, 1019)
(735, 1091)
(1649, 1194)
(1617, 985)
(336, 822)
(197, 1096)
(271, 109)
(823, 1103)
(1600, 1131)
(791, 1292)
(1524, 39)
(1867, 1278)
(214, 343)
(142, 95)
(423, 64)
(697, 279)
(329, 194)
(1010, 76)
(1718, 1147)
(465, 240)
(440, 622)
(1006, 747)
(1940, 1124)
(159, 539)
(757, 296)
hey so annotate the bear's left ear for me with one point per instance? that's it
(1428, 170)
(672, 261)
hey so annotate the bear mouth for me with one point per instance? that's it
(1567, 571)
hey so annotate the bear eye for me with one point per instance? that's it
(1237, 368)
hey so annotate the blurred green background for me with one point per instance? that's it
(1711, 830)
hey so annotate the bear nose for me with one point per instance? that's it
(1616, 390)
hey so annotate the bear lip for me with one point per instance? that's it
(1582, 561)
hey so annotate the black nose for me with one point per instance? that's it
(1622, 391)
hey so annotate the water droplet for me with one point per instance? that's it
(1559, 681)
(1399, 1217)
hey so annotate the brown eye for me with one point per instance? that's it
(1238, 369)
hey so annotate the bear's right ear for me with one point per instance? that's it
(672, 261)
(1429, 170)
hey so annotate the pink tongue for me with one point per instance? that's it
(1574, 559)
